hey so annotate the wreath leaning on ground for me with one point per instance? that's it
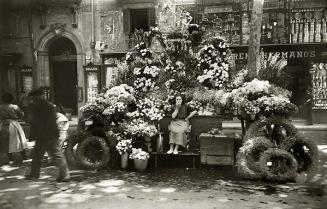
(244, 170)
(93, 153)
(253, 149)
(256, 128)
(278, 165)
(70, 150)
(249, 156)
(305, 152)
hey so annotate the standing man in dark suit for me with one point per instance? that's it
(45, 133)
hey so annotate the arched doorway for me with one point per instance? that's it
(63, 74)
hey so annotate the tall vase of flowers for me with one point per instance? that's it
(140, 158)
(124, 147)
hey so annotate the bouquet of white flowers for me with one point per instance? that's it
(147, 109)
(259, 98)
(213, 63)
(139, 154)
(138, 127)
(124, 146)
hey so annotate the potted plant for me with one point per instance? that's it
(140, 158)
(124, 147)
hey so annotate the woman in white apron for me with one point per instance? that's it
(179, 126)
(12, 136)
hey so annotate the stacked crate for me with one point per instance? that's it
(216, 149)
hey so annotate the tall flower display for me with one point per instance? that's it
(145, 69)
(212, 61)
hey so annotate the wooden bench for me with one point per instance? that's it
(194, 154)
(200, 124)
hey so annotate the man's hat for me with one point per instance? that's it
(36, 92)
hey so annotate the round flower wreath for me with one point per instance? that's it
(278, 165)
(243, 168)
(253, 149)
(305, 152)
(256, 128)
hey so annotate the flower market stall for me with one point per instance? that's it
(130, 115)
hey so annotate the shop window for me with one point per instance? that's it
(138, 19)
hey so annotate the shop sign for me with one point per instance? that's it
(217, 9)
(283, 54)
(26, 69)
(91, 67)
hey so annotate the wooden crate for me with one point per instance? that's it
(216, 149)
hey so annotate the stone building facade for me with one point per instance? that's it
(71, 47)
(46, 43)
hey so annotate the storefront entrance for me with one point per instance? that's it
(63, 74)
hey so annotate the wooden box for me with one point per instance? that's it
(216, 149)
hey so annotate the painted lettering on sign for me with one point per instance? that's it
(286, 55)
(91, 68)
(26, 70)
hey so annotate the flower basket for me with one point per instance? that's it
(140, 158)
(124, 160)
(140, 165)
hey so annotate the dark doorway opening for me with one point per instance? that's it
(299, 86)
(139, 19)
(64, 74)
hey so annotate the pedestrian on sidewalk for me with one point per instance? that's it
(45, 133)
(63, 126)
(12, 136)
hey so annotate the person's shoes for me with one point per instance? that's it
(63, 179)
(31, 177)
(175, 152)
(170, 152)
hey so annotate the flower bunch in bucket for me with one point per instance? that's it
(124, 146)
(139, 128)
(139, 154)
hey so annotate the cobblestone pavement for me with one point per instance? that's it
(162, 188)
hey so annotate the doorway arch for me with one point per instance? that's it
(43, 76)
(63, 74)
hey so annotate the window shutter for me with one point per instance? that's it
(152, 17)
(126, 18)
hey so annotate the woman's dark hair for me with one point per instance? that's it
(179, 95)
(7, 98)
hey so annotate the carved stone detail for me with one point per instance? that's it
(58, 28)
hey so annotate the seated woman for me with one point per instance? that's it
(179, 126)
